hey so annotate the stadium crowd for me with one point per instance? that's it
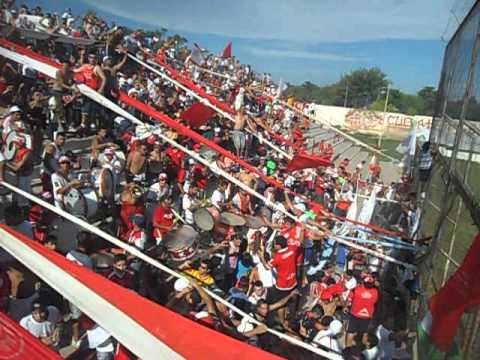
(292, 276)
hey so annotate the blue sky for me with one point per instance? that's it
(314, 40)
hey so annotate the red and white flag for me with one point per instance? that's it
(227, 52)
(304, 161)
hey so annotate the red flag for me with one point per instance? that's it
(460, 293)
(305, 161)
(227, 52)
(197, 114)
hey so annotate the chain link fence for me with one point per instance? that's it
(451, 211)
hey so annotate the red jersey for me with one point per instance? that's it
(363, 302)
(285, 263)
(176, 155)
(129, 210)
(89, 77)
(163, 216)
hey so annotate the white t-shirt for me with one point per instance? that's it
(385, 345)
(371, 354)
(97, 338)
(217, 198)
(42, 329)
(186, 206)
(155, 192)
(325, 339)
(59, 181)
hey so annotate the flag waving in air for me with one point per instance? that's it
(227, 52)
(461, 293)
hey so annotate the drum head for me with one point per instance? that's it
(105, 184)
(232, 219)
(75, 203)
(203, 219)
(254, 222)
(180, 238)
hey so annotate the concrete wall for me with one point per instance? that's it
(393, 125)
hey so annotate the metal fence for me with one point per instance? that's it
(451, 210)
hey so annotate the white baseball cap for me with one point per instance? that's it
(14, 109)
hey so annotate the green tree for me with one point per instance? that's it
(379, 105)
(428, 94)
(364, 87)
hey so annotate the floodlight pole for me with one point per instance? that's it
(384, 118)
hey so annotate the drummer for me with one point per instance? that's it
(62, 181)
(100, 143)
(52, 152)
(219, 196)
(111, 162)
(190, 203)
(162, 219)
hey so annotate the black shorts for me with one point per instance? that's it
(424, 175)
(275, 295)
(357, 325)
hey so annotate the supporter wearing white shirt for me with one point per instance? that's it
(259, 293)
(386, 344)
(159, 190)
(218, 196)
(328, 330)
(43, 323)
(62, 181)
(372, 351)
(189, 205)
(101, 340)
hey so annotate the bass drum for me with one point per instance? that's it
(102, 179)
(206, 218)
(182, 244)
(66, 233)
(9, 148)
(81, 202)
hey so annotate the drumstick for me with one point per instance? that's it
(177, 216)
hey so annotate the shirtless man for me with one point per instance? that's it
(110, 71)
(238, 135)
(100, 143)
(136, 164)
(61, 83)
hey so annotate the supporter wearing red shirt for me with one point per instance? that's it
(162, 220)
(285, 264)
(375, 171)
(200, 175)
(176, 155)
(364, 299)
